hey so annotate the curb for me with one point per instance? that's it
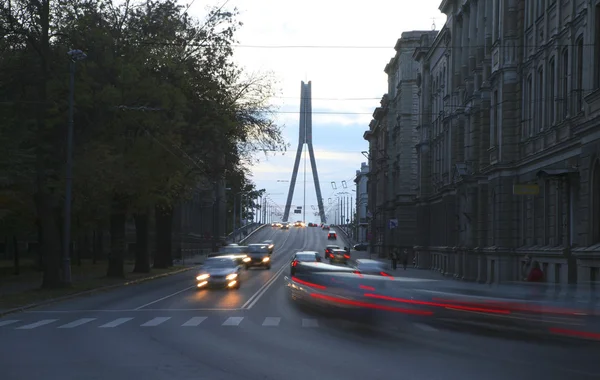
(91, 291)
(252, 233)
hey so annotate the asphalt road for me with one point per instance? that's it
(166, 329)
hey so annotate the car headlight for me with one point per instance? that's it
(202, 277)
(231, 276)
(265, 259)
(246, 259)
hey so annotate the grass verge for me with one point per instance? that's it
(24, 290)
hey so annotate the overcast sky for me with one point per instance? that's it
(347, 83)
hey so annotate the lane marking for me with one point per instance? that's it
(271, 321)
(233, 321)
(115, 323)
(306, 322)
(155, 321)
(127, 311)
(264, 289)
(165, 297)
(37, 324)
(194, 321)
(77, 323)
(425, 327)
(8, 322)
(250, 302)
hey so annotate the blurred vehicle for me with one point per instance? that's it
(304, 256)
(371, 267)
(360, 247)
(299, 223)
(331, 235)
(325, 227)
(221, 271)
(258, 256)
(238, 252)
(339, 256)
(285, 226)
(274, 224)
(271, 245)
(329, 250)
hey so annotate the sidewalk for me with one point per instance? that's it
(410, 271)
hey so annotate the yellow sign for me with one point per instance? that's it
(523, 189)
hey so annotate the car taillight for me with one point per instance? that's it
(294, 263)
(385, 274)
(346, 256)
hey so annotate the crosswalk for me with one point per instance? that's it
(171, 322)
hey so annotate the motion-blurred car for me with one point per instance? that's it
(271, 245)
(360, 247)
(258, 256)
(371, 267)
(331, 235)
(304, 256)
(238, 252)
(285, 226)
(299, 223)
(329, 250)
(222, 271)
(339, 256)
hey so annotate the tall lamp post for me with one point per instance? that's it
(76, 55)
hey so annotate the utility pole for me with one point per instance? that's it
(76, 55)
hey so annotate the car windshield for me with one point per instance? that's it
(220, 264)
(233, 249)
(306, 257)
(330, 247)
(370, 266)
(257, 248)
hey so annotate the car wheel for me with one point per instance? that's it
(237, 286)
(268, 267)
(246, 267)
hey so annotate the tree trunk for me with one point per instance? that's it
(142, 256)
(116, 256)
(164, 223)
(16, 255)
(50, 242)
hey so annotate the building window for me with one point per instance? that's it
(496, 119)
(497, 19)
(539, 101)
(565, 83)
(597, 46)
(541, 6)
(551, 94)
(579, 87)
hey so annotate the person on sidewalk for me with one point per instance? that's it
(394, 257)
(536, 274)
(405, 259)
(526, 268)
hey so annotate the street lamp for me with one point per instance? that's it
(76, 55)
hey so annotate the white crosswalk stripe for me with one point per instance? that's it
(116, 322)
(306, 322)
(197, 321)
(233, 321)
(156, 321)
(77, 323)
(37, 324)
(194, 321)
(271, 321)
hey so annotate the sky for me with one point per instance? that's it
(293, 40)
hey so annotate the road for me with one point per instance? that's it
(166, 329)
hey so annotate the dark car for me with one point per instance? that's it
(339, 256)
(325, 227)
(329, 250)
(271, 245)
(304, 256)
(331, 235)
(258, 256)
(360, 247)
(372, 267)
(285, 226)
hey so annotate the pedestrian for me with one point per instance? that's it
(394, 257)
(405, 259)
(526, 268)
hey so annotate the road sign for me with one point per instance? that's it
(297, 211)
(347, 220)
(393, 223)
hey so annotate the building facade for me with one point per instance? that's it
(362, 203)
(508, 157)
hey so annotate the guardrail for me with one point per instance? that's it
(343, 232)
(243, 232)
